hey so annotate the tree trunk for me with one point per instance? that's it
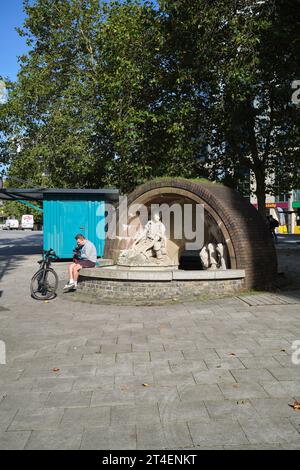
(260, 190)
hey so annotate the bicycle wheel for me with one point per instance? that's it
(43, 286)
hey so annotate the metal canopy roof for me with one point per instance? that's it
(11, 194)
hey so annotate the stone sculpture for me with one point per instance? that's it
(149, 247)
(212, 256)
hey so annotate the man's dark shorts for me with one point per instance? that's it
(85, 263)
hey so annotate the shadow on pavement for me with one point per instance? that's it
(13, 250)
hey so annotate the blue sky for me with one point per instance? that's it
(11, 44)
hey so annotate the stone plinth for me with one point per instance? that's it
(115, 285)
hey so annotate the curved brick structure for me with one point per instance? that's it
(247, 237)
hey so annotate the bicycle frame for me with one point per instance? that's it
(46, 262)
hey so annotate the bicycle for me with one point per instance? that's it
(44, 282)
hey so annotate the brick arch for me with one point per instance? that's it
(247, 237)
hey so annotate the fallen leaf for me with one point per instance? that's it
(283, 350)
(46, 301)
(55, 369)
(145, 385)
(232, 354)
(296, 405)
(236, 385)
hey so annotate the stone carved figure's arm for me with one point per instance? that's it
(142, 234)
(204, 256)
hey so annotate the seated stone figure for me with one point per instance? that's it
(151, 243)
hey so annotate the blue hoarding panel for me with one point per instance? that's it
(65, 217)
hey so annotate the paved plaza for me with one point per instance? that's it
(214, 374)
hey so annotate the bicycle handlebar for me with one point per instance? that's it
(50, 252)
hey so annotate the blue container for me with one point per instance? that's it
(69, 212)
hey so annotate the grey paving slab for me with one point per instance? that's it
(180, 345)
(154, 394)
(66, 439)
(285, 360)
(69, 399)
(10, 373)
(184, 366)
(165, 380)
(104, 382)
(85, 417)
(276, 389)
(295, 420)
(56, 384)
(175, 410)
(136, 357)
(232, 351)
(123, 369)
(20, 385)
(128, 414)
(166, 355)
(112, 398)
(290, 446)
(285, 373)
(154, 436)
(255, 447)
(13, 440)
(195, 393)
(214, 433)
(259, 362)
(243, 390)
(148, 347)
(252, 375)
(275, 430)
(203, 354)
(116, 348)
(99, 359)
(64, 371)
(103, 438)
(23, 400)
(31, 420)
(151, 368)
(274, 407)
(213, 376)
(292, 387)
(6, 417)
(230, 409)
(226, 364)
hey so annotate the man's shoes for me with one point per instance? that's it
(70, 286)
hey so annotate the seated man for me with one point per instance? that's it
(87, 259)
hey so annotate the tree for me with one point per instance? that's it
(115, 93)
(249, 52)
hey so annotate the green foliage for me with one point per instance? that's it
(17, 209)
(247, 50)
(115, 93)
